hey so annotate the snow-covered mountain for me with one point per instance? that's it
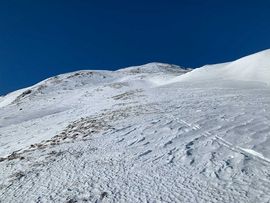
(150, 133)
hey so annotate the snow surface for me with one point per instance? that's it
(255, 68)
(151, 133)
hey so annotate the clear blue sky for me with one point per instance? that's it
(42, 38)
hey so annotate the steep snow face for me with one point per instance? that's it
(254, 68)
(134, 136)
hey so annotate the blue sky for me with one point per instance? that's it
(39, 39)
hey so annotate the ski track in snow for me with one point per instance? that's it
(132, 136)
(248, 152)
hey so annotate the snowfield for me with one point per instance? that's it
(151, 133)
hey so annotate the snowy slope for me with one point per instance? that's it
(151, 133)
(8, 99)
(76, 94)
(254, 68)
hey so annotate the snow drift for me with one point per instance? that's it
(255, 67)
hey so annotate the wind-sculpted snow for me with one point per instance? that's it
(254, 68)
(133, 136)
